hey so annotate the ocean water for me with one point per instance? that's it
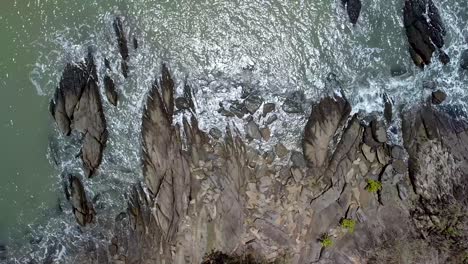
(274, 47)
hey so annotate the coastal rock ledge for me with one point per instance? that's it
(350, 197)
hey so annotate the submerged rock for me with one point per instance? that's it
(353, 7)
(111, 93)
(253, 103)
(293, 103)
(268, 108)
(424, 29)
(438, 97)
(122, 44)
(77, 104)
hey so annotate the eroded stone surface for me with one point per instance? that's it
(77, 104)
(424, 29)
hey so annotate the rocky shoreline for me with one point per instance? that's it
(350, 196)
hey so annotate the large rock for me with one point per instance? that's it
(438, 97)
(77, 104)
(437, 145)
(326, 118)
(82, 208)
(122, 44)
(353, 7)
(424, 29)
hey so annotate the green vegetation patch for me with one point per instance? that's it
(348, 224)
(326, 241)
(373, 186)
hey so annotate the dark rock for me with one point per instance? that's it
(107, 64)
(181, 103)
(238, 109)
(77, 103)
(379, 132)
(246, 91)
(271, 119)
(216, 133)
(135, 43)
(111, 93)
(82, 209)
(3, 252)
(353, 8)
(464, 60)
(293, 103)
(424, 29)
(398, 70)
(268, 108)
(297, 158)
(325, 119)
(188, 96)
(225, 112)
(253, 103)
(249, 118)
(443, 57)
(438, 97)
(253, 131)
(122, 44)
(124, 67)
(388, 108)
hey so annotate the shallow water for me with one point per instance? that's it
(287, 46)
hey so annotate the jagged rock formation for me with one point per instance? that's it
(371, 201)
(82, 208)
(123, 44)
(77, 106)
(111, 93)
(353, 7)
(425, 31)
(438, 169)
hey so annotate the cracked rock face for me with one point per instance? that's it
(82, 208)
(77, 106)
(425, 30)
(326, 118)
(203, 195)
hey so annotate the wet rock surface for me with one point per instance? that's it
(353, 8)
(82, 208)
(424, 29)
(293, 103)
(122, 42)
(438, 97)
(111, 92)
(202, 196)
(77, 105)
